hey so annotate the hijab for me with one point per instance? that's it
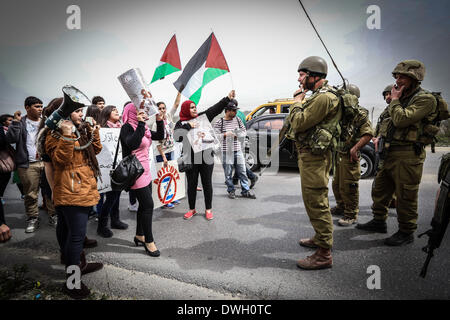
(185, 112)
(130, 116)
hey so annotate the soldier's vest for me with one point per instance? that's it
(383, 115)
(422, 131)
(322, 136)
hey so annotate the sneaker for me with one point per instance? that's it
(104, 232)
(53, 221)
(189, 214)
(373, 225)
(133, 207)
(399, 238)
(335, 211)
(209, 215)
(249, 195)
(231, 195)
(176, 202)
(253, 182)
(33, 224)
(346, 221)
(169, 206)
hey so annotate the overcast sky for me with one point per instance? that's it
(263, 43)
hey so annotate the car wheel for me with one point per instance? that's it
(366, 166)
(251, 161)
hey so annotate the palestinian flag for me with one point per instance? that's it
(207, 64)
(170, 61)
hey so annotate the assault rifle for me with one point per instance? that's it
(439, 222)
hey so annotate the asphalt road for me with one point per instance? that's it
(249, 250)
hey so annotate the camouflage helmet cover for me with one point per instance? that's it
(411, 68)
(314, 64)
(387, 89)
(354, 90)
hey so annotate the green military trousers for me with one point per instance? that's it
(400, 175)
(314, 175)
(346, 184)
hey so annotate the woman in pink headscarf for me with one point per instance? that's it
(136, 138)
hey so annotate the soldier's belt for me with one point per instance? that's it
(401, 148)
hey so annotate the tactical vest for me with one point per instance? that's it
(422, 131)
(322, 136)
(383, 115)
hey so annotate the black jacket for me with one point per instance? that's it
(17, 133)
(131, 139)
(211, 113)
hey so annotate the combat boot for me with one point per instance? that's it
(321, 259)
(399, 238)
(374, 226)
(309, 243)
(335, 211)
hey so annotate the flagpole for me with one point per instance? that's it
(231, 78)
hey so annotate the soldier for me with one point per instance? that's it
(385, 114)
(314, 126)
(411, 107)
(356, 133)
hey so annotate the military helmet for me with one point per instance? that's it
(354, 90)
(411, 68)
(314, 64)
(387, 89)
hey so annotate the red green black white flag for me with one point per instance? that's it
(170, 61)
(207, 64)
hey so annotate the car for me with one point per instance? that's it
(262, 130)
(274, 107)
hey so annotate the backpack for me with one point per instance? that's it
(432, 122)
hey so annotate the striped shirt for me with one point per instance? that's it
(235, 125)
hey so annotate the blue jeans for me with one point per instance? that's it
(169, 157)
(238, 162)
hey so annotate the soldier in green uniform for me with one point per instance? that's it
(385, 114)
(314, 126)
(354, 135)
(410, 109)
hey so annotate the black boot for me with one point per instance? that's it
(115, 221)
(373, 225)
(102, 228)
(399, 238)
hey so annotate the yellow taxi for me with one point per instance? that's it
(271, 107)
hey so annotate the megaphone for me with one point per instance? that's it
(74, 99)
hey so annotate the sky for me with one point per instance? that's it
(263, 42)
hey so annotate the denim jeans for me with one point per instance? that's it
(235, 159)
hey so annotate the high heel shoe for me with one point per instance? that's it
(152, 253)
(137, 242)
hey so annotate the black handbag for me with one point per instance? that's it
(184, 164)
(124, 176)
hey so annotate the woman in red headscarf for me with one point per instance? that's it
(203, 162)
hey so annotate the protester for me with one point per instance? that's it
(99, 102)
(75, 190)
(23, 132)
(230, 129)
(109, 118)
(253, 177)
(166, 146)
(5, 121)
(188, 112)
(136, 138)
(5, 232)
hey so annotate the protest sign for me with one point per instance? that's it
(168, 185)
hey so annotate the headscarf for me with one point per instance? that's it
(111, 124)
(130, 116)
(185, 112)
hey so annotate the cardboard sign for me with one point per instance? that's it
(109, 138)
(168, 185)
(135, 86)
(203, 136)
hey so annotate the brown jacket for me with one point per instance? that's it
(75, 184)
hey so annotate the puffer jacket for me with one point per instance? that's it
(74, 181)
